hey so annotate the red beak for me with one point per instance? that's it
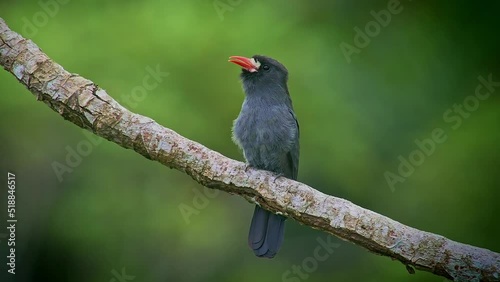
(246, 63)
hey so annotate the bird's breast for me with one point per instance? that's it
(265, 134)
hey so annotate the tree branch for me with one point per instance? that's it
(85, 104)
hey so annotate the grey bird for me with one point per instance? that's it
(268, 133)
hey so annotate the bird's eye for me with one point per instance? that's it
(265, 67)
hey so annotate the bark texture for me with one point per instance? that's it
(85, 104)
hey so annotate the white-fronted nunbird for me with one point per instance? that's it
(268, 133)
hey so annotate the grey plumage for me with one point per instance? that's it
(268, 133)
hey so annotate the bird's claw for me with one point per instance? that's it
(277, 176)
(247, 166)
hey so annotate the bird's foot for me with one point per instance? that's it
(277, 176)
(247, 167)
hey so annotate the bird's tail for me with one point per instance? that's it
(266, 233)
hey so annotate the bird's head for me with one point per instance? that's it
(260, 70)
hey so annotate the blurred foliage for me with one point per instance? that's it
(119, 210)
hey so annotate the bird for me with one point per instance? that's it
(267, 131)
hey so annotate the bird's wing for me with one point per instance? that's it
(293, 154)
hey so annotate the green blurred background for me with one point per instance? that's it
(119, 210)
